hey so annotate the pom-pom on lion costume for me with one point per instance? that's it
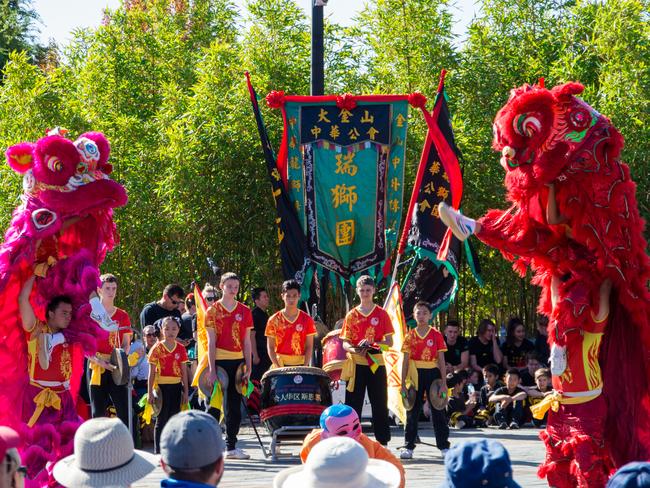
(574, 222)
(61, 233)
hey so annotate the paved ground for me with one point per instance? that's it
(425, 470)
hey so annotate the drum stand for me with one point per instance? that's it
(259, 439)
(295, 432)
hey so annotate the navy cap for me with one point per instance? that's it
(482, 464)
(191, 440)
(632, 475)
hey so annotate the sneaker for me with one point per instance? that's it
(105, 322)
(237, 454)
(513, 426)
(443, 452)
(460, 424)
(461, 226)
(503, 426)
(557, 360)
(406, 453)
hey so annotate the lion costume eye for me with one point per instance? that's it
(527, 125)
(54, 164)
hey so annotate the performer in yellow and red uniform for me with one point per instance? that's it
(365, 328)
(48, 410)
(228, 324)
(575, 445)
(290, 332)
(424, 354)
(168, 372)
(103, 390)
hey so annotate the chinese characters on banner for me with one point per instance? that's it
(345, 170)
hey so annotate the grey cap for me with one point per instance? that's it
(191, 440)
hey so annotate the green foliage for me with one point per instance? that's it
(164, 80)
(18, 30)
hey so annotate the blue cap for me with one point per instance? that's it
(338, 410)
(483, 463)
(632, 475)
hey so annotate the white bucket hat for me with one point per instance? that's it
(339, 462)
(103, 457)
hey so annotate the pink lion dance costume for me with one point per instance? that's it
(61, 232)
(574, 222)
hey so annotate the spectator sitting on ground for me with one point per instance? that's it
(342, 420)
(339, 462)
(543, 388)
(457, 353)
(167, 306)
(509, 401)
(484, 347)
(459, 411)
(483, 463)
(532, 365)
(103, 456)
(12, 473)
(516, 345)
(485, 408)
(632, 475)
(191, 450)
(475, 379)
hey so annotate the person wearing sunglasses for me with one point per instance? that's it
(167, 306)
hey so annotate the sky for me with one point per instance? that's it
(60, 17)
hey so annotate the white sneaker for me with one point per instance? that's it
(443, 452)
(461, 226)
(406, 453)
(105, 322)
(558, 359)
(460, 424)
(237, 454)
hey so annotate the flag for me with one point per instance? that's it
(433, 276)
(393, 357)
(295, 263)
(201, 335)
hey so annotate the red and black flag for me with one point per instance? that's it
(290, 235)
(433, 277)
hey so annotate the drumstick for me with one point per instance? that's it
(259, 439)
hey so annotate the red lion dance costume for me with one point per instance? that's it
(574, 221)
(61, 233)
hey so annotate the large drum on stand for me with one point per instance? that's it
(333, 354)
(294, 396)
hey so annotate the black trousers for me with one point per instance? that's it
(171, 405)
(261, 368)
(438, 417)
(376, 385)
(107, 392)
(232, 403)
(514, 412)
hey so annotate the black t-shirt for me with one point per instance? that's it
(452, 355)
(517, 354)
(486, 393)
(186, 328)
(152, 312)
(527, 379)
(260, 318)
(504, 391)
(483, 352)
(542, 348)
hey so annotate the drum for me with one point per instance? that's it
(294, 396)
(333, 354)
(122, 372)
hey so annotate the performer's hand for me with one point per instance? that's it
(245, 377)
(403, 391)
(184, 398)
(256, 359)
(212, 377)
(150, 397)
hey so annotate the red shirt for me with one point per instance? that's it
(582, 372)
(424, 348)
(374, 327)
(106, 345)
(167, 362)
(290, 336)
(60, 368)
(231, 327)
